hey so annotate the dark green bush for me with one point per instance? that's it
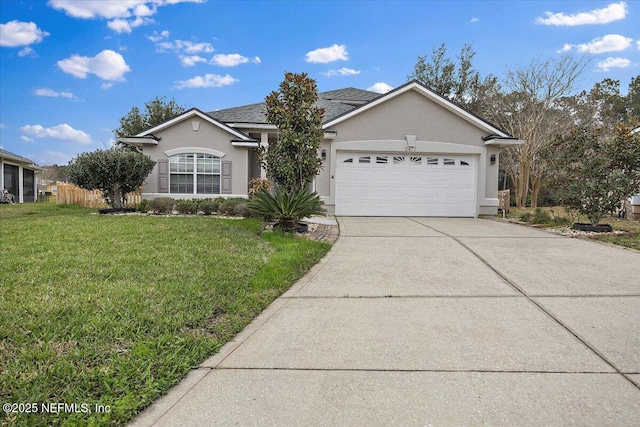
(235, 206)
(525, 217)
(187, 206)
(162, 205)
(143, 206)
(538, 217)
(208, 206)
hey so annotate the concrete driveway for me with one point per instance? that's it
(434, 321)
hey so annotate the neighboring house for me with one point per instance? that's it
(19, 176)
(406, 152)
(632, 206)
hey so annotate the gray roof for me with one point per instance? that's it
(334, 102)
(14, 157)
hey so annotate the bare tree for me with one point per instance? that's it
(531, 107)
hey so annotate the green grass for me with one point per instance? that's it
(114, 310)
(630, 240)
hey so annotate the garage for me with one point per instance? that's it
(405, 184)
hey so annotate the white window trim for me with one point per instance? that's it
(195, 173)
(194, 150)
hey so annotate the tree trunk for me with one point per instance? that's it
(536, 185)
(522, 185)
(535, 190)
(116, 200)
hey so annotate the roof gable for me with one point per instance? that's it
(427, 93)
(194, 112)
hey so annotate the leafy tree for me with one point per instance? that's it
(292, 161)
(594, 170)
(459, 82)
(603, 105)
(633, 98)
(115, 171)
(156, 111)
(54, 172)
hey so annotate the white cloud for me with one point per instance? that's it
(156, 37)
(25, 138)
(611, 62)
(638, 44)
(163, 44)
(328, 54)
(107, 65)
(613, 12)
(474, 20)
(380, 87)
(2, 126)
(53, 158)
(232, 60)
(608, 43)
(63, 132)
(53, 94)
(124, 26)
(342, 72)
(18, 33)
(123, 15)
(208, 80)
(27, 51)
(191, 47)
(189, 61)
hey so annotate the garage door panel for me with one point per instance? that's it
(405, 185)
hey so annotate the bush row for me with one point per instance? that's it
(235, 206)
(550, 218)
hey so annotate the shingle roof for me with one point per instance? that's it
(334, 102)
(349, 94)
(14, 157)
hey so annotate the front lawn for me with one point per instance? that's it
(557, 216)
(114, 310)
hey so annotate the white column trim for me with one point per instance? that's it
(264, 143)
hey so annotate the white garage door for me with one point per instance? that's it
(370, 184)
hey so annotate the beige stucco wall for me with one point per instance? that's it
(208, 136)
(409, 113)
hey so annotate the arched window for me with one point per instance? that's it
(194, 173)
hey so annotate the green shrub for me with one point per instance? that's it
(143, 206)
(208, 206)
(162, 205)
(242, 209)
(286, 208)
(187, 206)
(235, 206)
(540, 216)
(525, 217)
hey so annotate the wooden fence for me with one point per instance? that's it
(73, 195)
(504, 200)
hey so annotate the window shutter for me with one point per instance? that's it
(163, 176)
(226, 178)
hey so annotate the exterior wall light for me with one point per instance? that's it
(493, 159)
(323, 154)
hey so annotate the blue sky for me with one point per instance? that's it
(69, 69)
